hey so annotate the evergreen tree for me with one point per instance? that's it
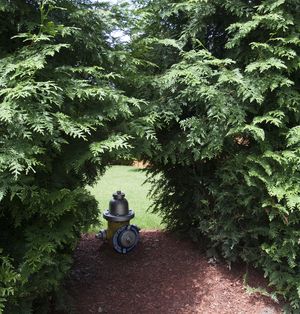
(225, 94)
(62, 121)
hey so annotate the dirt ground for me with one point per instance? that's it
(163, 275)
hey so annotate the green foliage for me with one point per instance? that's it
(226, 140)
(8, 278)
(212, 102)
(62, 119)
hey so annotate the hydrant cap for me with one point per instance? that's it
(118, 206)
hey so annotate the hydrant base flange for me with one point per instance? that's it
(108, 216)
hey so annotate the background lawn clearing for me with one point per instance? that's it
(129, 180)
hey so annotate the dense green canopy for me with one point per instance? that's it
(61, 122)
(225, 96)
(206, 91)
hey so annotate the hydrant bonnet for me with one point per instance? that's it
(118, 206)
(118, 209)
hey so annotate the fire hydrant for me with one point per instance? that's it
(123, 236)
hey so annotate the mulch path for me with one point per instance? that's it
(163, 275)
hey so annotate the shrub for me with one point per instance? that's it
(60, 113)
(227, 98)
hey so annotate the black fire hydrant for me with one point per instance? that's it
(123, 236)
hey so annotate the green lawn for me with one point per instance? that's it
(130, 181)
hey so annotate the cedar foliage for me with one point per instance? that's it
(225, 94)
(221, 127)
(61, 123)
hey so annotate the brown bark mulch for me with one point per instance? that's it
(163, 275)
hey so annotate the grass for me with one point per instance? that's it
(130, 181)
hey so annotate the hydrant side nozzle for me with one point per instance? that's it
(102, 235)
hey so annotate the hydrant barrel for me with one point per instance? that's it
(118, 206)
